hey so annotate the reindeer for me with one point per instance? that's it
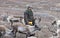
(57, 24)
(4, 30)
(16, 19)
(22, 28)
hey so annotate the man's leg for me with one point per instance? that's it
(26, 23)
(33, 22)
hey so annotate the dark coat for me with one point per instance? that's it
(28, 16)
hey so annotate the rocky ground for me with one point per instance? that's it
(48, 10)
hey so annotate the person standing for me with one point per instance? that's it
(28, 15)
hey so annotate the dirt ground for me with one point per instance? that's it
(48, 10)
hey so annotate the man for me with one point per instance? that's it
(28, 15)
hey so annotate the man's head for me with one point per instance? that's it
(28, 7)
